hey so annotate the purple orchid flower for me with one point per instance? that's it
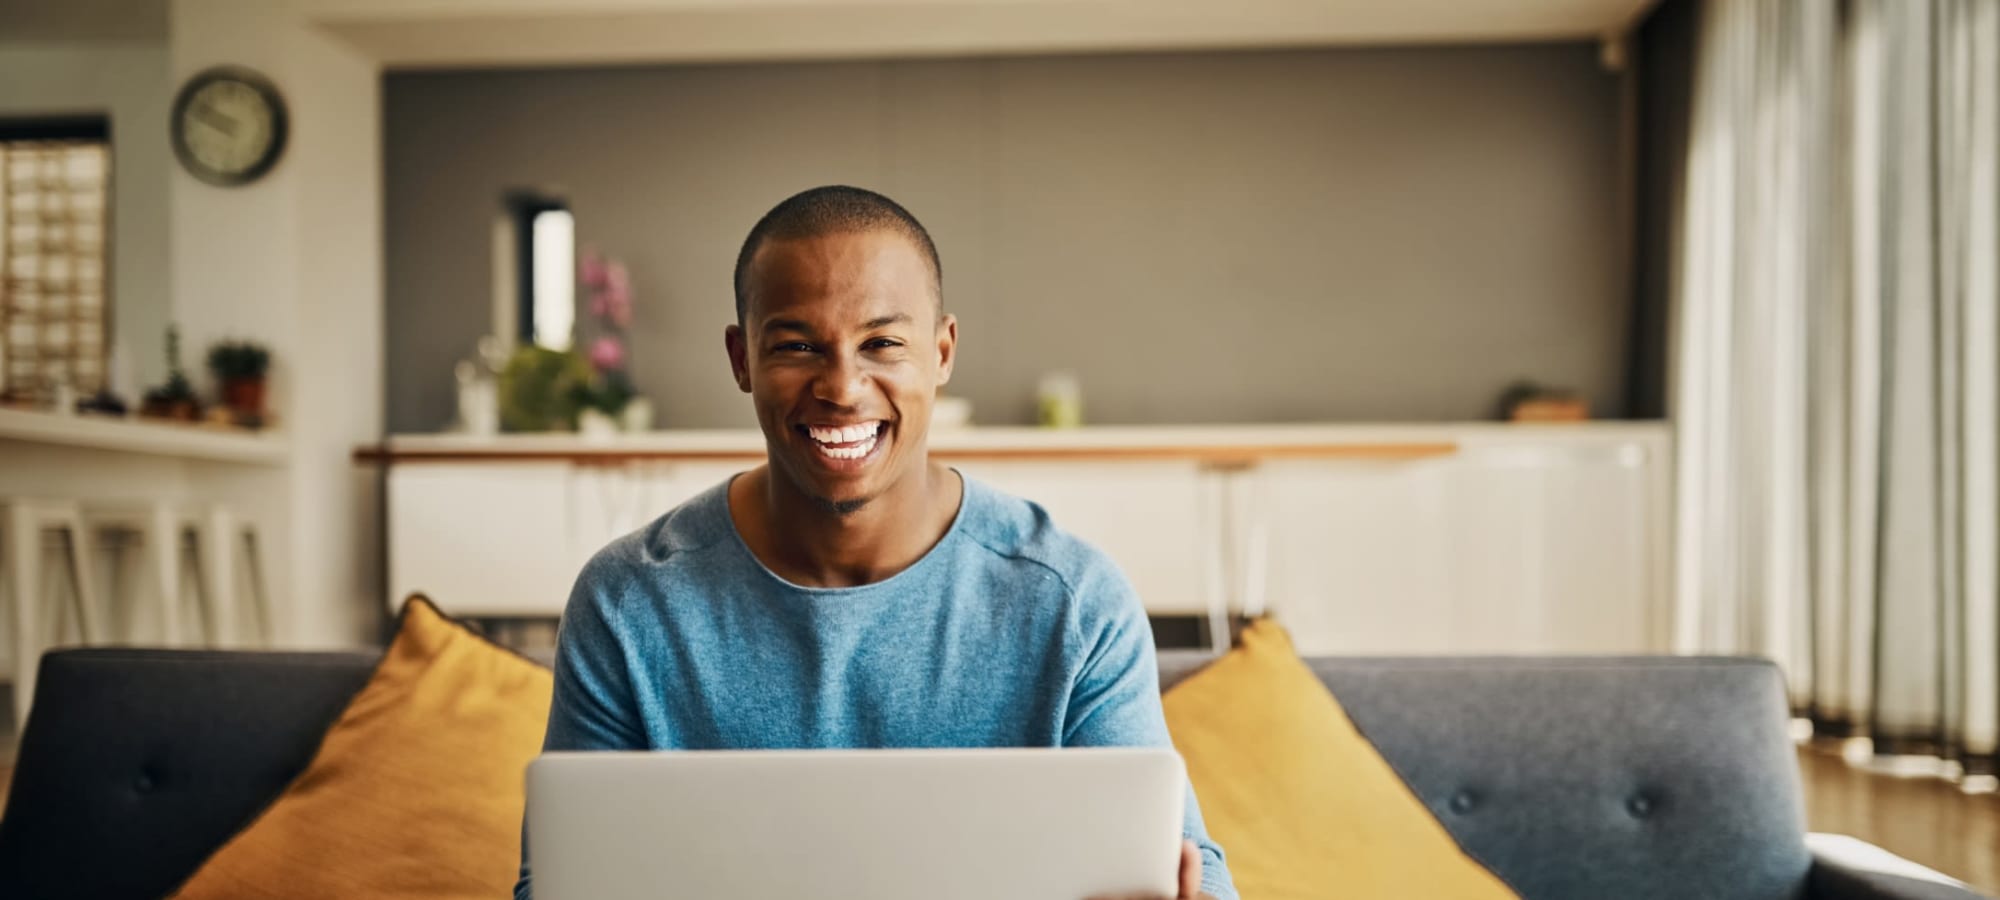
(607, 354)
(592, 271)
(615, 299)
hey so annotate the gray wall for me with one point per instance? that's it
(1223, 237)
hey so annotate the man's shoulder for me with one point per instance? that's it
(1019, 529)
(697, 524)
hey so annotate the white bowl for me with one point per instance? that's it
(951, 412)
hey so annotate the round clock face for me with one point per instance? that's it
(229, 126)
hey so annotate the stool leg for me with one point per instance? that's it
(90, 615)
(163, 552)
(260, 594)
(187, 549)
(24, 556)
(218, 561)
(108, 553)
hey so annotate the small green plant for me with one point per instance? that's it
(176, 389)
(542, 389)
(238, 361)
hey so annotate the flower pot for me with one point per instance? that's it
(637, 416)
(171, 410)
(594, 426)
(245, 396)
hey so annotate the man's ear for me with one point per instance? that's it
(739, 356)
(947, 347)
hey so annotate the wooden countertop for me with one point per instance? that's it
(1209, 444)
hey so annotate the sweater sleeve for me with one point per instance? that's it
(593, 707)
(1115, 696)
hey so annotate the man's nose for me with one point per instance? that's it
(842, 382)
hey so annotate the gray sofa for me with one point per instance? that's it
(1570, 778)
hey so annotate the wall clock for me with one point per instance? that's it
(228, 125)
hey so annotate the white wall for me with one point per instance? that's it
(337, 368)
(126, 80)
(293, 260)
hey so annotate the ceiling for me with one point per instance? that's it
(48, 21)
(429, 34)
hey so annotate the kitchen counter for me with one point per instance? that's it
(1214, 444)
(1449, 538)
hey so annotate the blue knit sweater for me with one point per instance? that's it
(1008, 633)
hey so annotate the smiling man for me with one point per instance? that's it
(852, 592)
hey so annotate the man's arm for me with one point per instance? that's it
(593, 707)
(1115, 699)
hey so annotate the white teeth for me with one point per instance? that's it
(848, 452)
(863, 438)
(847, 435)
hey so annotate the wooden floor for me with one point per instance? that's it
(1923, 819)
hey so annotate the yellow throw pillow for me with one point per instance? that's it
(1300, 800)
(417, 789)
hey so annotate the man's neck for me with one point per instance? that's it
(806, 543)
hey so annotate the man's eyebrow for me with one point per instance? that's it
(787, 325)
(800, 326)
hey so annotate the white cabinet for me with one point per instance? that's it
(1511, 540)
(1351, 554)
(508, 538)
(1500, 549)
(482, 539)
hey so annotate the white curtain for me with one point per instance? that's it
(1835, 390)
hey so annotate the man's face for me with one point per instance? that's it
(842, 351)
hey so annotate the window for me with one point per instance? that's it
(545, 248)
(55, 180)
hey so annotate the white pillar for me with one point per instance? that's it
(295, 260)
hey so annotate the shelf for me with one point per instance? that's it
(150, 438)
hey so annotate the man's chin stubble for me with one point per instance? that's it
(841, 508)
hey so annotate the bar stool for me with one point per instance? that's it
(232, 558)
(208, 549)
(168, 546)
(27, 529)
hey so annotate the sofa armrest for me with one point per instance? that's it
(1846, 868)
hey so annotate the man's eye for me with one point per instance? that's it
(881, 343)
(792, 347)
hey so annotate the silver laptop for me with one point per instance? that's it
(856, 824)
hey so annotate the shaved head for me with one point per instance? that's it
(832, 209)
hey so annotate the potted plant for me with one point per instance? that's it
(175, 399)
(1526, 401)
(241, 367)
(542, 389)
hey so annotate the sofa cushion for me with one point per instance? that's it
(1300, 801)
(1642, 778)
(137, 764)
(417, 789)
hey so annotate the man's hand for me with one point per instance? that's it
(1190, 878)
